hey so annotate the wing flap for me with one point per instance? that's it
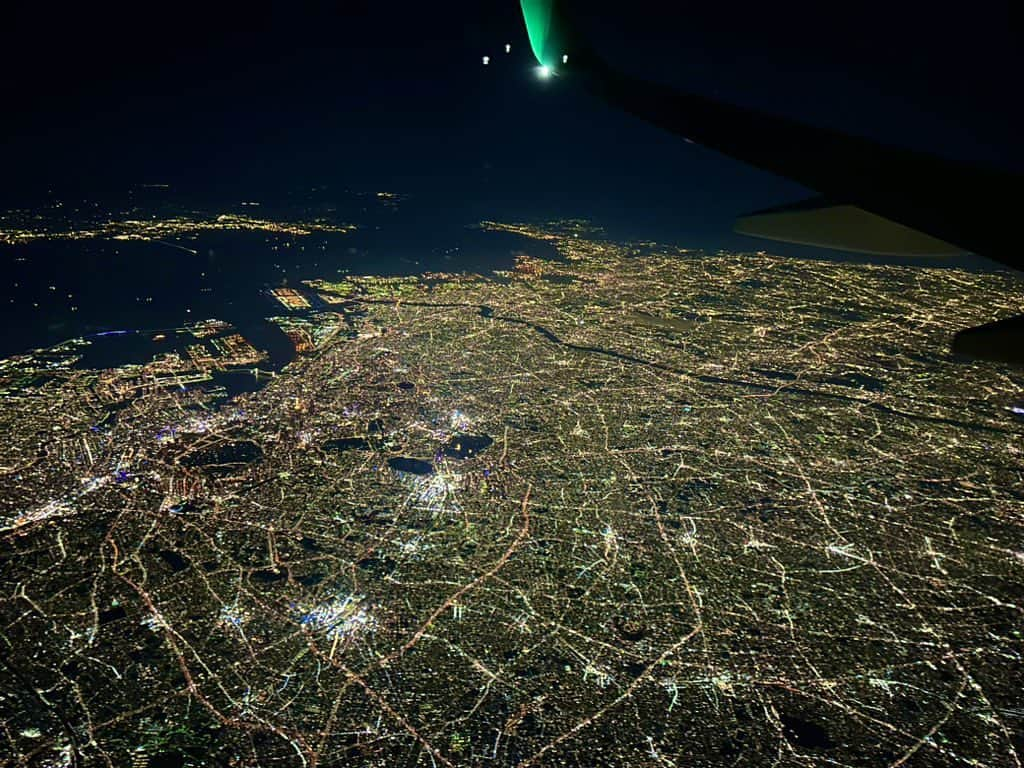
(822, 223)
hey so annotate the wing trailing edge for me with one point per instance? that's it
(821, 223)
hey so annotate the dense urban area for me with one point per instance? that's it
(626, 506)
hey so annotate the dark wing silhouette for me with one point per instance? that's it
(875, 198)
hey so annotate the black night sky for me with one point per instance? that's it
(394, 96)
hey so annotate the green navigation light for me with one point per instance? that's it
(544, 33)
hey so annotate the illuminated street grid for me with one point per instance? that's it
(633, 507)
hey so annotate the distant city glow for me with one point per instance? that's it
(544, 72)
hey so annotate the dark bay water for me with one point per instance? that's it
(121, 293)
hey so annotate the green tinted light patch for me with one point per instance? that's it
(538, 17)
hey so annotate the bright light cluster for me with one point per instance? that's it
(436, 492)
(342, 617)
(233, 615)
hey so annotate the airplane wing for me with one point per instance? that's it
(888, 200)
(825, 224)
